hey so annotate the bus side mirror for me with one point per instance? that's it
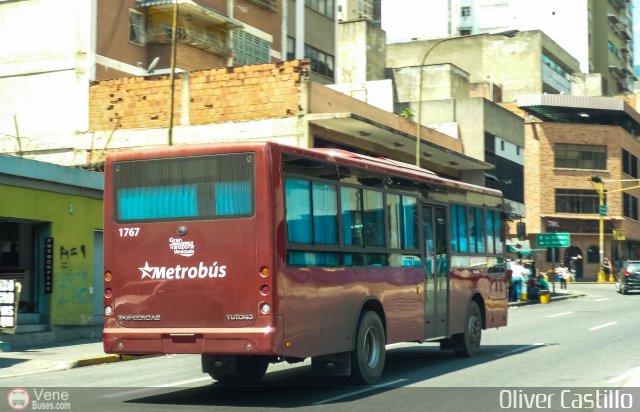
(521, 228)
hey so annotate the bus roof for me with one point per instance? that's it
(354, 159)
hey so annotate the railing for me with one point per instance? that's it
(162, 35)
(270, 5)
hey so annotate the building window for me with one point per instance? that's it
(137, 32)
(465, 11)
(629, 164)
(249, 49)
(578, 156)
(291, 48)
(324, 7)
(593, 254)
(577, 201)
(321, 62)
(547, 61)
(630, 206)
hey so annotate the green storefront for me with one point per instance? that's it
(51, 242)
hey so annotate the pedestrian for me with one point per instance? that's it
(562, 274)
(542, 283)
(517, 276)
(606, 267)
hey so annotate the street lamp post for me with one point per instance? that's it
(172, 73)
(508, 33)
(598, 185)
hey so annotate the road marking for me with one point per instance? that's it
(600, 300)
(603, 326)
(624, 376)
(559, 314)
(351, 394)
(395, 345)
(535, 345)
(166, 385)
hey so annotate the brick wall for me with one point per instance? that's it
(219, 95)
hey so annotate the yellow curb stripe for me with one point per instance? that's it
(97, 360)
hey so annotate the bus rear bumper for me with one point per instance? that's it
(254, 340)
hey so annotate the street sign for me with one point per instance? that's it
(553, 240)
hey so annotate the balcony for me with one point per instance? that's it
(270, 5)
(161, 34)
(188, 10)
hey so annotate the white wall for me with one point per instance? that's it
(44, 64)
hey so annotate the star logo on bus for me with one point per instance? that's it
(146, 270)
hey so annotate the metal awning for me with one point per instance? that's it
(190, 9)
(581, 109)
(367, 129)
(522, 247)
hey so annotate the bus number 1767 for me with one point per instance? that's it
(129, 231)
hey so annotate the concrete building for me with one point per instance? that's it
(598, 33)
(569, 139)
(58, 48)
(51, 223)
(370, 10)
(521, 63)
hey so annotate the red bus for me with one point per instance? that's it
(254, 253)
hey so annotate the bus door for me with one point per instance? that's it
(434, 227)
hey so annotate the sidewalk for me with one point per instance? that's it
(558, 295)
(51, 358)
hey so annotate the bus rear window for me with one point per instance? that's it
(187, 188)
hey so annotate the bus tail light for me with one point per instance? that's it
(627, 273)
(264, 272)
(107, 276)
(108, 293)
(264, 289)
(265, 308)
(108, 311)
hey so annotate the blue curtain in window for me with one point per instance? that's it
(373, 219)
(497, 231)
(480, 230)
(351, 216)
(454, 228)
(463, 242)
(410, 222)
(157, 202)
(298, 204)
(233, 198)
(325, 214)
(490, 228)
(312, 259)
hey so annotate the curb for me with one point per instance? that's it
(99, 360)
(553, 299)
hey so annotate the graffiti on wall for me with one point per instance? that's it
(73, 294)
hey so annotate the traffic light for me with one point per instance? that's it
(521, 228)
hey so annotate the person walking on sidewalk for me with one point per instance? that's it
(562, 273)
(517, 276)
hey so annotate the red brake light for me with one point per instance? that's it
(627, 273)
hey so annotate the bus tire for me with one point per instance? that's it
(467, 344)
(248, 370)
(367, 359)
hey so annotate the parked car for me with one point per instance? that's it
(628, 277)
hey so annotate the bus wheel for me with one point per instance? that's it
(467, 344)
(248, 370)
(367, 360)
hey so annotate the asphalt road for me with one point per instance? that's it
(586, 344)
